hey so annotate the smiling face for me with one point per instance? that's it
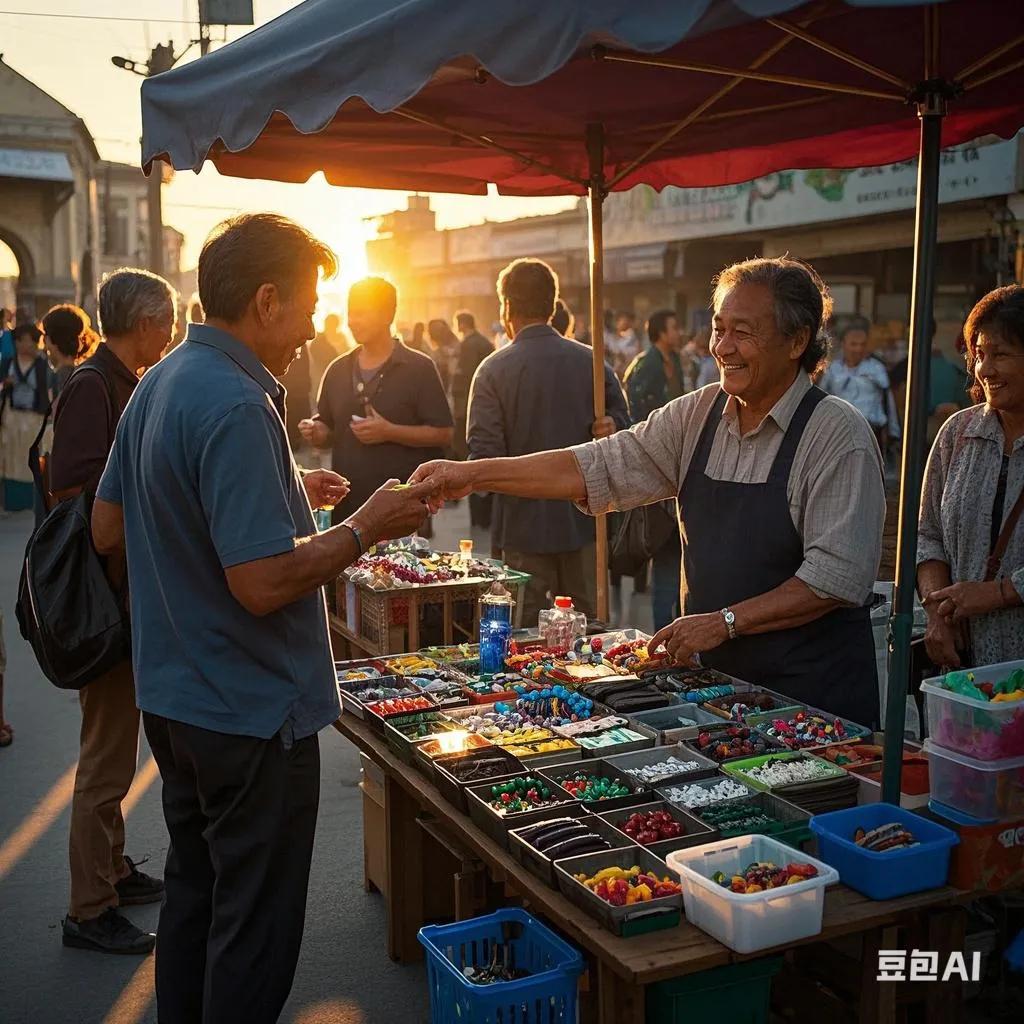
(999, 366)
(756, 360)
(286, 322)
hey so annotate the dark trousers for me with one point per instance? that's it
(241, 813)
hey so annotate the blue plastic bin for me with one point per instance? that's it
(547, 996)
(883, 876)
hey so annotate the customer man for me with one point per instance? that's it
(474, 348)
(534, 395)
(233, 664)
(781, 499)
(137, 317)
(653, 379)
(382, 409)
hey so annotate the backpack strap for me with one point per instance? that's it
(995, 560)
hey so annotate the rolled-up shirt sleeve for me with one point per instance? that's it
(844, 516)
(634, 467)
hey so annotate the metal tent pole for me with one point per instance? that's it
(931, 110)
(595, 201)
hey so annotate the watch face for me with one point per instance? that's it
(730, 617)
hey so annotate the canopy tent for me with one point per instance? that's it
(588, 96)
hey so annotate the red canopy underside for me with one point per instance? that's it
(757, 128)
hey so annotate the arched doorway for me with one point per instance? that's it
(17, 277)
(10, 272)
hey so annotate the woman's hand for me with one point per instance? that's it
(940, 641)
(961, 601)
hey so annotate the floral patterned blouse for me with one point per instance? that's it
(955, 526)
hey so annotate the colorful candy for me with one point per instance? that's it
(650, 827)
(763, 875)
(400, 705)
(584, 786)
(730, 741)
(623, 887)
(884, 838)
(805, 729)
(523, 793)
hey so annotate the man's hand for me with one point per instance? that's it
(325, 488)
(603, 427)
(449, 481)
(690, 635)
(961, 601)
(374, 429)
(393, 510)
(315, 432)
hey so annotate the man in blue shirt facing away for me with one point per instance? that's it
(233, 665)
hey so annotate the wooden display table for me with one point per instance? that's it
(623, 966)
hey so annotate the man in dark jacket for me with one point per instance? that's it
(531, 396)
(473, 350)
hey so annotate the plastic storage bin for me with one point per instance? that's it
(742, 992)
(884, 876)
(547, 996)
(981, 729)
(748, 923)
(987, 790)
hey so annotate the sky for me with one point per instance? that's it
(69, 57)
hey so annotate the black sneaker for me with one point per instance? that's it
(108, 933)
(137, 887)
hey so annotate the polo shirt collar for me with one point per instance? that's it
(986, 425)
(533, 331)
(214, 337)
(781, 413)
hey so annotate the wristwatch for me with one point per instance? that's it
(730, 622)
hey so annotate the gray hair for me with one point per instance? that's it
(801, 300)
(128, 295)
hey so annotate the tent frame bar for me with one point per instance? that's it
(971, 69)
(755, 76)
(989, 76)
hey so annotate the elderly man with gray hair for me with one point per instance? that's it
(137, 312)
(779, 491)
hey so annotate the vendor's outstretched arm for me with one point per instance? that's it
(553, 474)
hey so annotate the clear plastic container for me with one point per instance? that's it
(748, 923)
(982, 729)
(988, 790)
(561, 625)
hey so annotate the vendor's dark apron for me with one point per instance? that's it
(739, 541)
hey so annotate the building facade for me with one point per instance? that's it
(662, 249)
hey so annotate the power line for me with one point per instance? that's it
(97, 17)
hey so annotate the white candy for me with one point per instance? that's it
(701, 796)
(673, 766)
(782, 773)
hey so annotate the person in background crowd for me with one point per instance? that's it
(233, 663)
(27, 393)
(970, 549)
(195, 312)
(948, 386)
(856, 376)
(627, 343)
(137, 313)
(501, 339)
(444, 349)
(474, 348)
(6, 334)
(418, 342)
(652, 380)
(297, 382)
(780, 496)
(582, 330)
(704, 361)
(382, 408)
(69, 339)
(563, 321)
(535, 395)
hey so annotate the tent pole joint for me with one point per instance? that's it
(933, 95)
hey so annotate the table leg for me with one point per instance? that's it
(404, 854)
(877, 998)
(946, 929)
(619, 1001)
(447, 612)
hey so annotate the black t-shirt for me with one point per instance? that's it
(407, 390)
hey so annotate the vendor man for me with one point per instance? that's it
(780, 497)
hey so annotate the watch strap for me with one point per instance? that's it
(730, 622)
(358, 536)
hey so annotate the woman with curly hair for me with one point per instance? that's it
(69, 339)
(970, 551)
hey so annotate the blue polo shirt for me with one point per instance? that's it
(202, 469)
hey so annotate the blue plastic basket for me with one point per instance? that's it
(547, 996)
(883, 876)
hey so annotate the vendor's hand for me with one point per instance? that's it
(324, 488)
(603, 427)
(373, 429)
(315, 432)
(940, 641)
(449, 480)
(690, 635)
(393, 510)
(961, 601)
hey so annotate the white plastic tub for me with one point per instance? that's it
(989, 790)
(744, 923)
(978, 728)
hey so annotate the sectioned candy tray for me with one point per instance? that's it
(639, 794)
(542, 865)
(657, 755)
(449, 773)
(351, 699)
(665, 722)
(497, 826)
(663, 912)
(695, 832)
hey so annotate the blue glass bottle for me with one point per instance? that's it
(495, 628)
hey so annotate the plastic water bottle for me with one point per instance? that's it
(495, 628)
(559, 626)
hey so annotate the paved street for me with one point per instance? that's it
(344, 975)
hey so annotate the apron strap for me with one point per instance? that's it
(787, 450)
(707, 435)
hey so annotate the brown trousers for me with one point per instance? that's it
(107, 758)
(569, 573)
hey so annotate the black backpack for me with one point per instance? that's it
(67, 609)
